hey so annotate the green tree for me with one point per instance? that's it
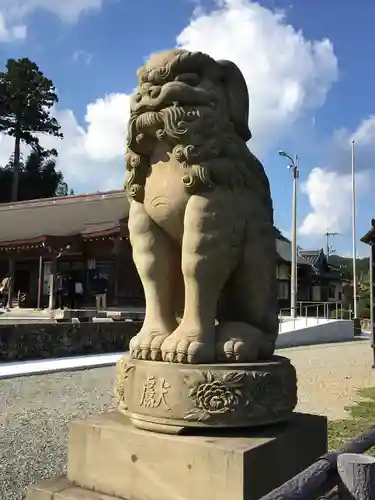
(26, 99)
(38, 178)
(346, 266)
(364, 296)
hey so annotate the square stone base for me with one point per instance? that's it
(110, 456)
(62, 489)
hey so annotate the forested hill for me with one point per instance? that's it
(346, 264)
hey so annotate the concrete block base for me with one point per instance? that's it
(62, 489)
(109, 459)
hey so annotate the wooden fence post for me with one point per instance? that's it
(357, 473)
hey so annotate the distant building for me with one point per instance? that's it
(83, 234)
(317, 280)
(75, 234)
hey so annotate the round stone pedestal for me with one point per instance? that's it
(170, 397)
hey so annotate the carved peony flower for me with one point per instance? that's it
(268, 396)
(214, 396)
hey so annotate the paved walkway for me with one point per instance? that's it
(20, 368)
(330, 375)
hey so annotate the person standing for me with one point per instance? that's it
(79, 292)
(59, 291)
(101, 291)
(4, 291)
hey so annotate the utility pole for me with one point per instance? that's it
(354, 235)
(329, 249)
(293, 275)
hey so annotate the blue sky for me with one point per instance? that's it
(307, 65)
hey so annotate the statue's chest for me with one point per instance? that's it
(165, 197)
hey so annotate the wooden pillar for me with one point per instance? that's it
(117, 244)
(40, 282)
(116, 282)
(51, 299)
(11, 273)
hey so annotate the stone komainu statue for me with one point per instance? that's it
(201, 216)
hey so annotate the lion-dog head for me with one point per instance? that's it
(200, 108)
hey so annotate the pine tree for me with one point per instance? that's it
(26, 99)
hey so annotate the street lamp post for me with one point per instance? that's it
(293, 275)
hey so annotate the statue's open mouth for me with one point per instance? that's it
(171, 93)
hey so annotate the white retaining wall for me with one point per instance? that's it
(324, 332)
(289, 323)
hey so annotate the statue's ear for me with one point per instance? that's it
(238, 97)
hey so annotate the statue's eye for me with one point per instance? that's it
(191, 79)
(154, 91)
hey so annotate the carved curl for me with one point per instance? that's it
(199, 107)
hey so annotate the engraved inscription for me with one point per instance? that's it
(122, 376)
(154, 393)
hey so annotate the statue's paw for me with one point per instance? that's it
(185, 346)
(267, 349)
(146, 344)
(232, 350)
(238, 342)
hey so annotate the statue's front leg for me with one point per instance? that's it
(213, 233)
(155, 260)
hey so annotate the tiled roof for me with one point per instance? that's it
(369, 237)
(311, 256)
(284, 250)
(64, 216)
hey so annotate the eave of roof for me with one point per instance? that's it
(61, 199)
(369, 237)
(311, 256)
(45, 239)
(80, 221)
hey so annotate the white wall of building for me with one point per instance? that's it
(282, 271)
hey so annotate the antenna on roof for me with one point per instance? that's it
(329, 248)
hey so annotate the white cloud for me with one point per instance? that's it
(364, 139)
(11, 33)
(329, 194)
(329, 189)
(365, 133)
(106, 131)
(13, 12)
(92, 158)
(286, 75)
(82, 56)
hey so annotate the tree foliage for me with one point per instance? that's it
(38, 178)
(346, 266)
(363, 282)
(26, 99)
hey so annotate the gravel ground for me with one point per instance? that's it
(330, 375)
(34, 415)
(35, 411)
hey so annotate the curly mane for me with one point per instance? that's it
(183, 102)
